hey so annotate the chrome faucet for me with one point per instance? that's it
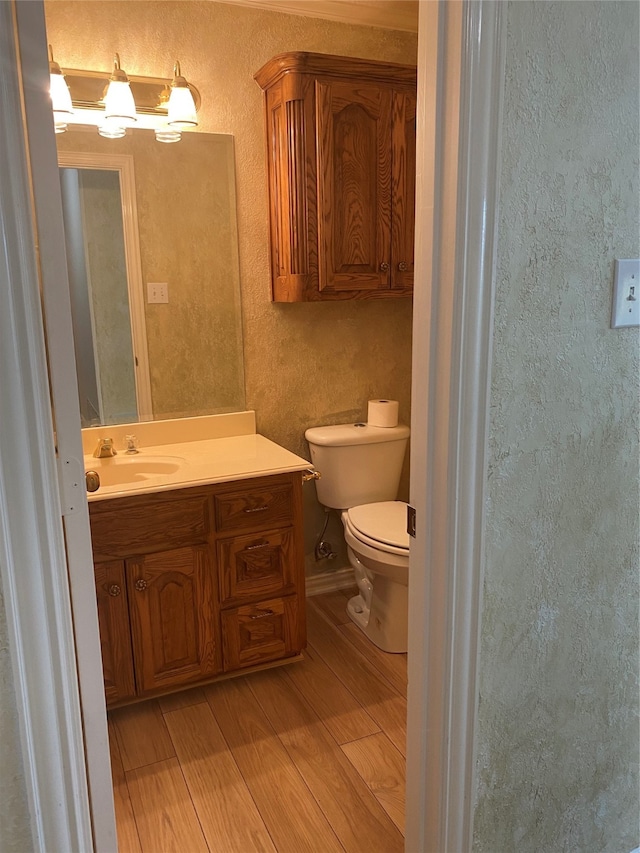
(105, 448)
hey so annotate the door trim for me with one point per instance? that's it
(76, 725)
(32, 555)
(460, 83)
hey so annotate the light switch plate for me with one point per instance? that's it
(157, 291)
(625, 311)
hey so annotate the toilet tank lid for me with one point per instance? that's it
(342, 435)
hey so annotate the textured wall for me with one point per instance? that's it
(304, 364)
(558, 724)
(15, 827)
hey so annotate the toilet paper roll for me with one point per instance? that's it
(383, 413)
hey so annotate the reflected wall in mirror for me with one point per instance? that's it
(187, 238)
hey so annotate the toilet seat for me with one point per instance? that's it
(380, 525)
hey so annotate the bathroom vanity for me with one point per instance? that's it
(199, 582)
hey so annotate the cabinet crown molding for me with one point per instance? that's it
(327, 65)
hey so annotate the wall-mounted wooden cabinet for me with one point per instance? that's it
(341, 167)
(198, 582)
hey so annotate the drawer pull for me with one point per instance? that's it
(259, 545)
(256, 508)
(140, 584)
(262, 615)
(114, 590)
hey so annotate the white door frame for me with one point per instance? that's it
(460, 82)
(64, 711)
(460, 56)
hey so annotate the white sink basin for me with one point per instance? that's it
(121, 470)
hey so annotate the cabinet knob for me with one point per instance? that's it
(384, 267)
(92, 481)
(140, 584)
(114, 590)
(402, 266)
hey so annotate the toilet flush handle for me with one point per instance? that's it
(310, 474)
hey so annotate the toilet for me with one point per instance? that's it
(360, 468)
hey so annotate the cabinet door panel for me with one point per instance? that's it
(354, 186)
(115, 636)
(256, 566)
(404, 189)
(292, 190)
(173, 618)
(261, 632)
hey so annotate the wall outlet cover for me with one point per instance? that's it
(625, 310)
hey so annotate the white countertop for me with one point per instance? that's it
(197, 463)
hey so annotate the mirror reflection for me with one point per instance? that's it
(145, 223)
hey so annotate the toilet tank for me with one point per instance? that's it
(358, 463)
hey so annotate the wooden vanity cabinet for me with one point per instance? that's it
(198, 582)
(341, 169)
(115, 636)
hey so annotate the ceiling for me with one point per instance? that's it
(388, 14)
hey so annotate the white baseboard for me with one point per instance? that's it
(330, 581)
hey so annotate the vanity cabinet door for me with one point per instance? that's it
(354, 186)
(172, 604)
(256, 566)
(257, 633)
(115, 635)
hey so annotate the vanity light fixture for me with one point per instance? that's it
(117, 101)
(60, 95)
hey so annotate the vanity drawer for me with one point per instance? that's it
(254, 506)
(148, 523)
(255, 566)
(261, 632)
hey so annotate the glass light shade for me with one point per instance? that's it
(182, 107)
(60, 99)
(168, 134)
(60, 95)
(111, 130)
(119, 105)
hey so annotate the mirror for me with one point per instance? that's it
(166, 216)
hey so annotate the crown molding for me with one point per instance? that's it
(386, 14)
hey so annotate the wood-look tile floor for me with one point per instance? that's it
(307, 757)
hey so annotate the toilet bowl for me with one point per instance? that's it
(378, 550)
